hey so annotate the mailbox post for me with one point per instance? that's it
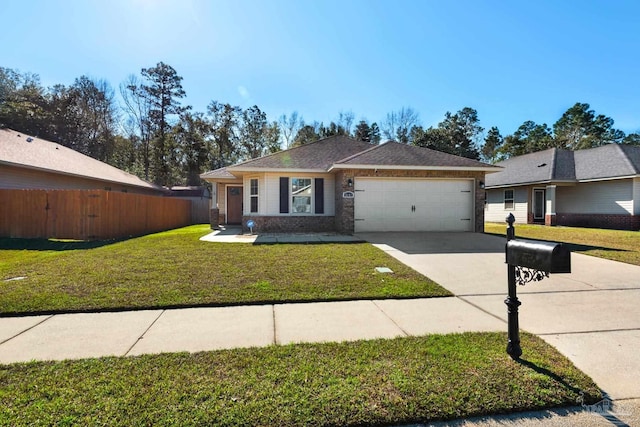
(513, 345)
(528, 261)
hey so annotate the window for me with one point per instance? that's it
(508, 199)
(253, 194)
(301, 195)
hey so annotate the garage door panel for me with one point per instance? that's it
(414, 205)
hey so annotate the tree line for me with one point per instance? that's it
(147, 131)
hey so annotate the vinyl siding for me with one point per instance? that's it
(601, 197)
(24, 179)
(494, 208)
(636, 196)
(269, 203)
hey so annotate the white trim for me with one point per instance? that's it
(488, 169)
(252, 196)
(609, 179)
(513, 199)
(312, 205)
(533, 202)
(528, 184)
(277, 170)
(424, 168)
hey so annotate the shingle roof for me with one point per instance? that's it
(21, 150)
(318, 155)
(554, 165)
(222, 173)
(396, 154)
(607, 161)
(533, 167)
(342, 151)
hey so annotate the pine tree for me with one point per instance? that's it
(163, 89)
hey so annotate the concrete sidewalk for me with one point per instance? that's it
(73, 336)
(234, 234)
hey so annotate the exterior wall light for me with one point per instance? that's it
(350, 182)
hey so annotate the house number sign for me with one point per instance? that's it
(348, 195)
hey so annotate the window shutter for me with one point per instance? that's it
(284, 194)
(319, 195)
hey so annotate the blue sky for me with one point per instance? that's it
(510, 60)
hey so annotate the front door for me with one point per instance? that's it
(234, 205)
(538, 204)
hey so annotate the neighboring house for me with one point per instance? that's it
(27, 162)
(341, 184)
(597, 187)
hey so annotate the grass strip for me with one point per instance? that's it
(378, 382)
(175, 269)
(616, 245)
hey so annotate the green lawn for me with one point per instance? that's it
(616, 245)
(174, 269)
(379, 382)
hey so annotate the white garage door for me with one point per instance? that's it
(413, 205)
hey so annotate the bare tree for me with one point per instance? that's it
(345, 120)
(397, 125)
(289, 127)
(137, 124)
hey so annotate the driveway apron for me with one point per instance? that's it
(590, 315)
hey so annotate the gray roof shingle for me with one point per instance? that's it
(342, 151)
(607, 161)
(21, 150)
(396, 154)
(318, 155)
(222, 173)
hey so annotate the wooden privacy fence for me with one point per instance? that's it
(87, 214)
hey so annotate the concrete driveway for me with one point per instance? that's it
(591, 315)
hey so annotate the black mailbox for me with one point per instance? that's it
(543, 256)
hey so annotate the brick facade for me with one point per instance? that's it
(344, 207)
(299, 223)
(214, 218)
(550, 219)
(611, 221)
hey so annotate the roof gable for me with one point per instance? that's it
(318, 155)
(393, 154)
(222, 173)
(20, 150)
